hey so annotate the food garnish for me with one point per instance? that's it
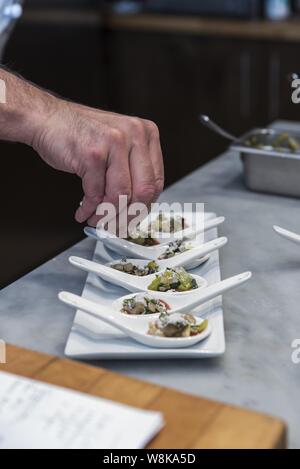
(141, 305)
(168, 224)
(143, 238)
(133, 269)
(176, 325)
(177, 280)
(176, 247)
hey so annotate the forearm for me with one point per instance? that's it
(112, 154)
(26, 109)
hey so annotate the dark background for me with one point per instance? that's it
(167, 77)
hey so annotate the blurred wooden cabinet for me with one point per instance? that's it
(172, 78)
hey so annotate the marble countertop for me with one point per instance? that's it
(262, 318)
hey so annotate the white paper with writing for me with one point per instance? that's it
(37, 415)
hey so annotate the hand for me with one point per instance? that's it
(112, 154)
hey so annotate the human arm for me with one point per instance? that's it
(111, 153)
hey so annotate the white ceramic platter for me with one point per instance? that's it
(92, 339)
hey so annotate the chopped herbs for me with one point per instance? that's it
(177, 280)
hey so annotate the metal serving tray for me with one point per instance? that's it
(268, 170)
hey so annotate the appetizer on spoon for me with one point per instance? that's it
(144, 268)
(165, 223)
(134, 283)
(141, 305)
(182, 259)
(138, 248)
(162, 225)
(153, 335)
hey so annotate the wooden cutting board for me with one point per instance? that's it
(191, 422)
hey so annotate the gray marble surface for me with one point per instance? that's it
(262, 318)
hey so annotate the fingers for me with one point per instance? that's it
(156, 157)
(93, 184)
(141, 164)
(117, 177)
(131, 165)
(143, 138)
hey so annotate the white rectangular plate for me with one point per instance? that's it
(90, 338)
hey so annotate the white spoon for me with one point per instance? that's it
(188, 233)
(188, 303)
(129, 282)
(129, 249)
(134, 283)
(180, 260)
(137, 330)
(290, 235)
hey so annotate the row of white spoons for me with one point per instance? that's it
(136, 327)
